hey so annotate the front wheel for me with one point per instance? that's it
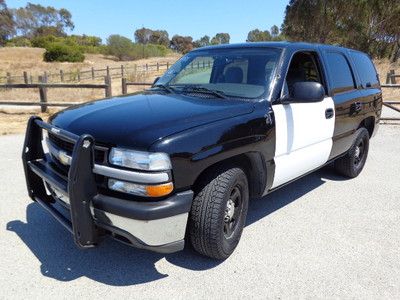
(218, 213)
(351, 164)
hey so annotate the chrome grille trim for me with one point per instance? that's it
(132, 176)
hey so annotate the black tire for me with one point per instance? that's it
(351, 164)
(210, 231)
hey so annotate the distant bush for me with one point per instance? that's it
(124, 49)
(119, 46)
(85, 43)
(19, 42)
(44, 41)
(62, 52)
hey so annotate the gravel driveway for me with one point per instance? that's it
(321, 236)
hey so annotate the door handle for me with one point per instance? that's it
(268, 118)
(329, 113)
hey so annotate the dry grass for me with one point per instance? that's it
(12, 121)
(17, 60)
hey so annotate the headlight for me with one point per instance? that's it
(140, 160)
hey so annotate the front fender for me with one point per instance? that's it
(194, 150)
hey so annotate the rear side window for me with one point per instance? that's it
(365, 69)
(339, 72)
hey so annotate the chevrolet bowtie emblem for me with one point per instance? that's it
(63, 158)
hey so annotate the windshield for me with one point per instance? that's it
(241, 73)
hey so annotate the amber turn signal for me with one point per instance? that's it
(159, 190)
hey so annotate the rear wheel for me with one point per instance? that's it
(353, 162)
(219, 212)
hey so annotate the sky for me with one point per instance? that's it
(185, 17)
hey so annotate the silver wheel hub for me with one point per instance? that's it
(229, 210)
(357, 152)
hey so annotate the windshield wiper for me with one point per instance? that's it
(201, 89)
(164, 87)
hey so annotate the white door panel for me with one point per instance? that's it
(303, 138)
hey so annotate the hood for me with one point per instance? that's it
(137, 121)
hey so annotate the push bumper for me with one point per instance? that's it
(153, 225)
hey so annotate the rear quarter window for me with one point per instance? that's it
(365, 70)
(340, 74)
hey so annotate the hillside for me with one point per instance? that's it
(18, 59)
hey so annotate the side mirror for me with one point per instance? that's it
(155, 80)
(304, 92)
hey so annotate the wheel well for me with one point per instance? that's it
(369, 124)
(250, 163)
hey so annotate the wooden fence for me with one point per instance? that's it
(125, 84)
(391, 82)
(77, 76)
(43, 86)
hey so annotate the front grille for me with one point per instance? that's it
(99, 155)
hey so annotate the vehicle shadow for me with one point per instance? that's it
(117, 264)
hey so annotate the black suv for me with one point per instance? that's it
(182, 159)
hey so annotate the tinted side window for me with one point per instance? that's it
(339, 72)
(365, 69)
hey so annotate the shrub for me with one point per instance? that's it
(120, 46)
(19, 42)
(124, 49)
(62, 52)
(44, 41)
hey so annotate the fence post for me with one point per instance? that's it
(26, 81)
(124, 87)
(8, 77)
(108, 90)
(61, 75)
(79, 75)
(31, 78)
(108, 71)
(45, 76)
(167, 65)
(43, 94)
(392, 77)
(92, 72)
(147, 67)
(158, 66)
(122, 71)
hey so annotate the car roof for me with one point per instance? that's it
(283, 44)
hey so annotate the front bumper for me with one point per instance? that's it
(154, 225)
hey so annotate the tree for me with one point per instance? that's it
(372, 26)
(182, 44)
(157, 37)
(221, 38)
(119, 46)
(202, 42)
(35, 20)
(6, 23)
(142, 35)
(274, 31)
(257, 35)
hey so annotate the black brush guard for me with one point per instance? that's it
(80, 186)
